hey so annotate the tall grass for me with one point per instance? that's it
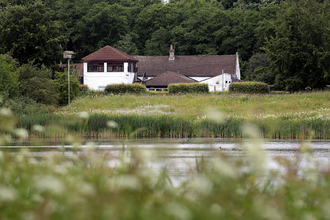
(173, 126)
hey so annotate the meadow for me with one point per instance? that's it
(191, 115)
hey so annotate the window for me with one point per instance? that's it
(115, 67)
(109, 67)
(95, 67)
(120, 67)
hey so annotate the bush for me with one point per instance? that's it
(248, 87)
(125, 88)
(188, 88)
(24, 105)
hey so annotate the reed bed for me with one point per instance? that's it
(173, 126)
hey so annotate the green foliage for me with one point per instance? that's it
(103, 24)
(61, 85)
(257, 62)
(126, 45)
(22, 106)
(248, 87)
(83, 90)
(29, 34)
(300, 50)
(8, 76)
(36, 83)
(125, 88)
(188, 88)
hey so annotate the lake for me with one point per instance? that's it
(179, 155)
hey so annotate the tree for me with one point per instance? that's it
(29, 34)
(103, 25)
(256, 64)
(299, 52)
(36, 83)
(126, 45)
(8, 76)
(61, 83)
(156, 20)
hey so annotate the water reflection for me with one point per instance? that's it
(180, 154)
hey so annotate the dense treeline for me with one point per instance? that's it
(285, 43)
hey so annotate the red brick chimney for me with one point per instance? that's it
(172, 57)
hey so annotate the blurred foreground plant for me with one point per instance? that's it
(64, 185)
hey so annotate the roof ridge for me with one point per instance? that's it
(108, 52)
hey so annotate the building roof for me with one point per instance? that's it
(164, 79)
(108, 53)
(80, 68)
(192, 66)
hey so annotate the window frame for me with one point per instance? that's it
(95, 67)
(115, 67)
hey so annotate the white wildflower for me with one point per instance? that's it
(21, 133)
(216, 116)
(215, 208)
(225, 168)
(83, 115)
(201, 184)
(112, 124)
(7, 194)
(125, 182)
(5, 112)
(50, 184)
(38, 128)
(178, 210)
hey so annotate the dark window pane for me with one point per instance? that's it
(109, 67)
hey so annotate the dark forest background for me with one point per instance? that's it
(281, 42)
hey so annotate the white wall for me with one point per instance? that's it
(215, 83)
(238, 71)
(99, 80)
(198, 79)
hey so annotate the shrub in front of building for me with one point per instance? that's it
(248, 87)
(125, 88)
(188, 88)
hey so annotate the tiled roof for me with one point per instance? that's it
(108, 53)
(164, 79)
(192, 66)
(80, 68)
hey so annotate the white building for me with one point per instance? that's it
(107, 66)
(220, 82)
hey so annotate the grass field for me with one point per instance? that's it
(194, 104)
(193, 115)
